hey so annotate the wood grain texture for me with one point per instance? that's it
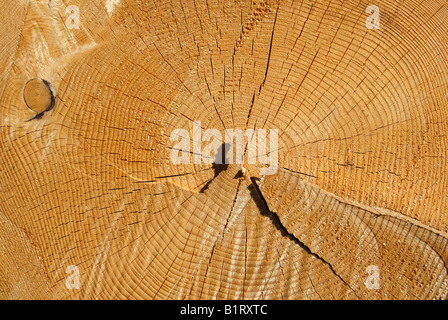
(362, 116)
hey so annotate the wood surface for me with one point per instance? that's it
(362, 179)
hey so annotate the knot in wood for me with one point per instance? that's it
(38, 95)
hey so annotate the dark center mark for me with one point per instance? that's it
(220, 164)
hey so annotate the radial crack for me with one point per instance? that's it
(270, 50)
(264, 209)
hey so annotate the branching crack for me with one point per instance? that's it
(264, 209)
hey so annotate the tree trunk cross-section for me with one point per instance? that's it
(93, 207)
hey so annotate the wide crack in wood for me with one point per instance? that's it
(264, 210)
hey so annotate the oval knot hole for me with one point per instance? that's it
(38, 95)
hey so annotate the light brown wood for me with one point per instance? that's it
(362, 119)
(37, 95)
